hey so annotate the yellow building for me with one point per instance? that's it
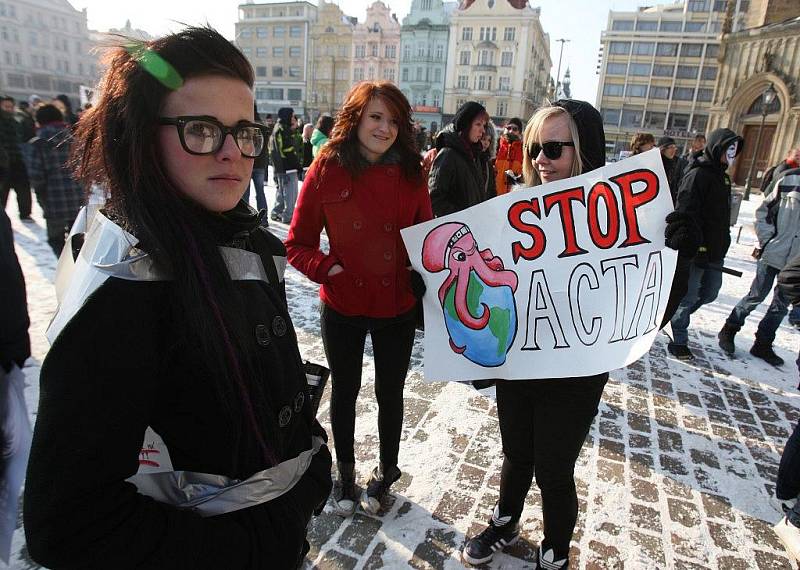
(330, 59)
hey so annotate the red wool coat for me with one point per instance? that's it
(363, 219)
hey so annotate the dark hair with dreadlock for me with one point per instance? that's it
(116, 147)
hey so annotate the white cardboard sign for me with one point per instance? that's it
(569, 278)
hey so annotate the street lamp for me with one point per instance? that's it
(767, 97)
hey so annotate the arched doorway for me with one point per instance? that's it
(751, 122)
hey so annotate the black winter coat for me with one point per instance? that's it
(705, 194)
(456, 180)
(15, 345)
(118, 366)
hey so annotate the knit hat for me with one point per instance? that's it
(466, 114)
(665, 141)
(285, 115)
(34, 99)
(515, 121)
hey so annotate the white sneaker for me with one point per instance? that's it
(789, 535)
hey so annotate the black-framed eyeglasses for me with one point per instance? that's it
(512, 128)
(205, 135)
(552, 149)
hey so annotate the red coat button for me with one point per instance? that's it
(345, 193)
(359, 282)
(388, 226)
(386, 281)
(357, 225)
(387, 255)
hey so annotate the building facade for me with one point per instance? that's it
(330, 60)
(750, 61)
(376, 45)
(423, 59)
(659, 70)
(46, 50)
(499, 55)
(275, 38)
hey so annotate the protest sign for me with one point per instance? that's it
(564, 279)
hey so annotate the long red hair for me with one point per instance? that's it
(343, 144)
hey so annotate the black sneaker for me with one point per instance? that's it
(788, 530)
(765, 353)
(725, 337)
(275, 217)
(501, 532)
(680, 351)
(547, 560)
(377, 488)
(345, 497)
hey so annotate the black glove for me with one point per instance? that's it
(682, 234)
(417, 284)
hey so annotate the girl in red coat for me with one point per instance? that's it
(364, 187)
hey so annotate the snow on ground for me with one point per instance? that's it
(677, 471)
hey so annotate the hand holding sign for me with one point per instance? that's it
(578, 266)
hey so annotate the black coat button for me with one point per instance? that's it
(285, 416)
(262, 335)
(279, 326)
(387, 255)
(299, 400)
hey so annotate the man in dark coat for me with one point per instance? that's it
(15, 345)
(456, 180)
(673, 164)
(285, 158)
(705, 197)
(13, 173)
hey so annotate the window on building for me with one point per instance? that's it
(502, 108)
(616, 68)
(660, 70)
(390, 74)
(678, 121)
(260, 52)
(248, 51)
(406, 52)
(646, 25)
(437, 75)
(439, 52)
(481, 83)
(294, 94)
(667, 49)
(687, 72)
(619, 48)
(261, 71)
(613, 89)
(655, 120)
(460, 103)
(277, 51)
(611, 116)
(712, 50)
(506, 58)
(419, 74)
(643, 48)
(622, 25)
(294, 51)
(466, 34)
(695, 27)
(464, 57)
(370, 73)
(274, 93)
(277, 71)
(670, 26)
(636, 90)
(659, 92)
(245, 32)
(504, 84)
(295, 31)
(486, 57)
(509, 34)
(709, 73)
(463, 82)
(683, 93)
(720, 5)
(704, 94)
(404, 74)
(697, 5)
(691, 50)
(261, 33)
(639, 69)
(700, 123)
(632, 117)
(437, 98)
(294, 71)
(358, 73)
(426, 5)
(373, 50)
(278, 32)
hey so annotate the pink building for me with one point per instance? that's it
(376, 45)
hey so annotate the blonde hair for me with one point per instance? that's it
(532, 134)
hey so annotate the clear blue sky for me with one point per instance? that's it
(577, 20)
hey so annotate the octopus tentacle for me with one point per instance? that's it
(496, 278)
(445, 286)
(475, 323)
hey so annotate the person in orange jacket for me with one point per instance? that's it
(509, 154)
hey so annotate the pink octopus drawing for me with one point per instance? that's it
(452, 247)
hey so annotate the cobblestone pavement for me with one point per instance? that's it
(676, 472)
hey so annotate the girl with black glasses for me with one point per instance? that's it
(174, 427)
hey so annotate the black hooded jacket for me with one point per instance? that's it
(705, 194)
(456, 179)
(15, 344)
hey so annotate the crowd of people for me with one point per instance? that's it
(192, 341)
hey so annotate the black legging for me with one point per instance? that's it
(392, 341)
(543, 424)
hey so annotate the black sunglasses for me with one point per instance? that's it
(552, 149)
(205, 135)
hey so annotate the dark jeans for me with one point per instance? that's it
(759, 289)
(788, 484)
(16, 177)
(258, 183)
(543, 424)
(392, 341)
(703, 287)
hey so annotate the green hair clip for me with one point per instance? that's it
(156, 66)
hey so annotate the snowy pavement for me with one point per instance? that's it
(677, 471)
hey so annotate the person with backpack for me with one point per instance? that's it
(778, 230)
(285, 156)
(47, 156)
